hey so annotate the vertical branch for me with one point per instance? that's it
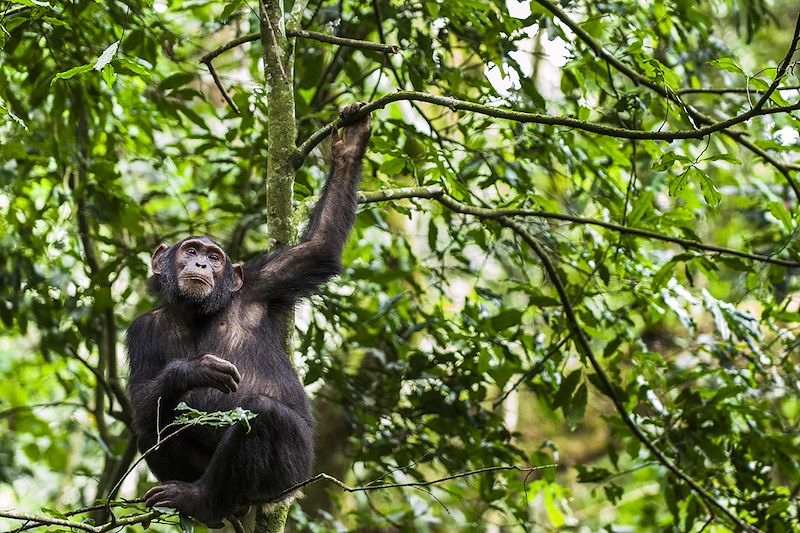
(295, 20)
(278, 57)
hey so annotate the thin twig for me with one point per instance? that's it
(347, 488)
(221, 87)
(304, 34)
(344, 41)
(47, 521)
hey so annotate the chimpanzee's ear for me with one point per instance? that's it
(238, 278)
(155, 263)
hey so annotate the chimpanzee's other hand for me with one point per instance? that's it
(213, 371)
(352, 141)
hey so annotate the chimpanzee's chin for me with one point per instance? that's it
(194, 290)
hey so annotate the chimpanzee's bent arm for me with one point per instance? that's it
(294, 272)
(156, 384)
(155, 399)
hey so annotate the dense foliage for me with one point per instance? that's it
(590, 268)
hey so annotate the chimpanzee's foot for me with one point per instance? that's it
(188, 498)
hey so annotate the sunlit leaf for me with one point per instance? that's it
(107, 55)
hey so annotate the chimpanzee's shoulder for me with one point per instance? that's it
(146, 323)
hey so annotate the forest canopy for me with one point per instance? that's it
(569, 302)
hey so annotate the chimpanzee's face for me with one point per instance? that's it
(196, 274)
(200, 265)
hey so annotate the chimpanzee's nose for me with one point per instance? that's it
(200, 265)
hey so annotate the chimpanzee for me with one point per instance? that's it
(214, 344)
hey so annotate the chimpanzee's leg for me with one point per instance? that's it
(247, 466)
(183, 457)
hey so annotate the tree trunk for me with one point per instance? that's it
(278, 57)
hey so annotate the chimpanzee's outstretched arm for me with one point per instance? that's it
(291, 273)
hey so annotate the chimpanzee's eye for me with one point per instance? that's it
(213, 257)
(191, 251)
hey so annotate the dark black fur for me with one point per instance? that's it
(211, 473)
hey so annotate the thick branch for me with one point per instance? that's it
(278, 57)
(536, 118)
(277, 51)
(437, 192)
(295, 18)
(367, 197)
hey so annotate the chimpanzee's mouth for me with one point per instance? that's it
(197, 278)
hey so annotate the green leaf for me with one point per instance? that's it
(57, 22)
(177, 79)
(393, 166)
(642, 208)
(575, 408)
(668, 160)
(678, 183)
(109, 76)
(568, 385)
(727, 64)
(730, 158)
(187, 525)
(67, 74)
(506, 319)
(710, 192)
(663, 275)
(544, 301)
(192, 115)
(433, 9)
(780, 212)
(229, 9)
(588, 474)
(32, 3)
(554, 514)
(135, 67)
(186, 415)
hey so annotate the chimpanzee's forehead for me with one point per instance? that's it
(200, 241)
